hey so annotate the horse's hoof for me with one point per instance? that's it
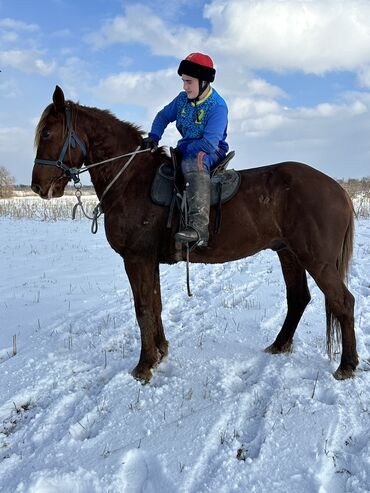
(343, 374)
(143, 375)
(163, 351)
(271, 349)
(287, 348)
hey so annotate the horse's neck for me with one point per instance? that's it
(112, 182)
(106, 144)
(103, 175)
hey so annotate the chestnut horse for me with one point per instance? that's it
(291, 208)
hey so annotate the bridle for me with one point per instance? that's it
(72, 140)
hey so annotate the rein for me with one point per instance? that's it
(98, 210)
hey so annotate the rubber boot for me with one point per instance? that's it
(198, 190)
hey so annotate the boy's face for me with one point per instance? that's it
(191, 86)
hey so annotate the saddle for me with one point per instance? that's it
(168, 185)
(224, 183)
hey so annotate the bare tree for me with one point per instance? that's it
(7, 182)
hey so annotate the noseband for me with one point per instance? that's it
(72, 140)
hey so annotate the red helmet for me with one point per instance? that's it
(199, 66)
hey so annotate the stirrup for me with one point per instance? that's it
(187, 235)
(194, 242)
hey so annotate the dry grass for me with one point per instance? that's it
(25, 204)
(44, 210)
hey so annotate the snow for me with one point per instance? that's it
(219, 415)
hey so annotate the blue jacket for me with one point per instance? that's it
(203, 126)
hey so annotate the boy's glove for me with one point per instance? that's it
(149, 143)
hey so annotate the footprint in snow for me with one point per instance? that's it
(142, 473)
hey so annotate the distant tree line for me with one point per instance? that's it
(7, 183)
(356, 186)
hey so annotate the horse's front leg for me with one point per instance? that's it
(143, 274)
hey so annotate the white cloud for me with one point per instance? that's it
(313, 36)
(244, 108)
(326, 110)
(163, 38)
(263, 125)
(260, 87)
(27, 61)
(9, 37)
(9, 136)
(9, 89)
(331, 137)
(260, 117)
(16, 25)
(364, 76)
(62, 33)
(174, 10)
(255, 116)
(125, 61)
(74, 76)
(149, 89)
(13, 31)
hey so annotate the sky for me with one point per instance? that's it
(295, 74)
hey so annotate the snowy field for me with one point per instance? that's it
(219, 416)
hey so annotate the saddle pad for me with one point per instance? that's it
(227, 181)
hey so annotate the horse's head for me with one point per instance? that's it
(59, 150)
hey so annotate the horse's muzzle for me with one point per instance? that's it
(36, 188)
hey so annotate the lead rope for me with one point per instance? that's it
(184, 216)
(89, 166)
(188, 270)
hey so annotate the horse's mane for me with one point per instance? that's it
(106, 119)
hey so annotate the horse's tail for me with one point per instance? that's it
(333, 329)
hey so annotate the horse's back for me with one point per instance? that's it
(310, 208)
(296, 196)
(296, 182)
(288, 170)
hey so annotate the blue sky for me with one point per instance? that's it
(295, 74)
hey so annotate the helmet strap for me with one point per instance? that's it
(202, 87)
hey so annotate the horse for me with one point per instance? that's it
(303, 215)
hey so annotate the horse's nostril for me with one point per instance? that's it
(36, 188)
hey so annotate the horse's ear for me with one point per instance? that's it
(58, 99)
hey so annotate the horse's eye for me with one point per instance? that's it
(45, 133)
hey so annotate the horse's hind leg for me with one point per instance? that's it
(298, 297)
(143, 275)
(340, 305)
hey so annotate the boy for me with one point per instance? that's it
(201, 118)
